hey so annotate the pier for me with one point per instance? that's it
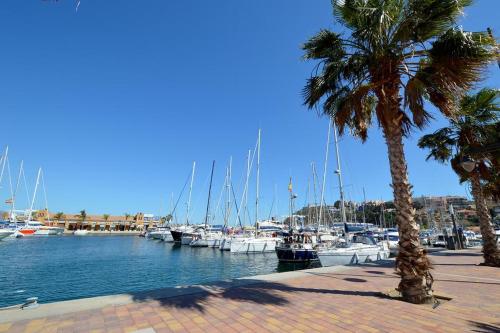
(347, 299)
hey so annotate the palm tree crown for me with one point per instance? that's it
(408, 45)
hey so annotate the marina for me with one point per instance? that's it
(59, 268)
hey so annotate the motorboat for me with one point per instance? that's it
(158, 232)
(4, 233)
(360, 249)
(81, 232)
(297, 248)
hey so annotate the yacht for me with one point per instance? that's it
(361, 249)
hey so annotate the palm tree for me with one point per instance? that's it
(127, 216)
(394, 46)
(465, 138)
(105, 217)
(82, 215)
(59, 216)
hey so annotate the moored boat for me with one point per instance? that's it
(361, 249)
(81, 232)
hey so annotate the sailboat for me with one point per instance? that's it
(258, 243)
(301, 247)
(206, 237)
(31, 227)
(353, 249)
(178, 232)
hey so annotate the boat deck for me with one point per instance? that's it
(331, 299)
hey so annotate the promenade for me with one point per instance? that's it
(339, 299)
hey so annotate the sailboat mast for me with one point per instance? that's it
(4, 158)
(324, 175)
(17, 186)
(45, 196)
(229, 171)
(34, 193)
(190, 191)
(257, 187)
(339, 174)
(209, 193)
(364, 205)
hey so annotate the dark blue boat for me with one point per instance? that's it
(296, 249)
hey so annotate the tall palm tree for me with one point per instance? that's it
(105, 217)
(394, 46)
(469, 133)
(127, 216)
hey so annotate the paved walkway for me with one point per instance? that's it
(320, 300)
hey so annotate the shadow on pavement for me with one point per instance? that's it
(254, 291)
(485, 328)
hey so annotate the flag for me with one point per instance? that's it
(8, 201)
(290, 188)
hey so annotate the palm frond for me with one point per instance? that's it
(440, 144)
(425, 19)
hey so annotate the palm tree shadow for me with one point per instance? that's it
(484, 327)
(247, 290)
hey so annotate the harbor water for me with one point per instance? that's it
(68, 267)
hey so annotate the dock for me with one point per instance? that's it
(330, 299)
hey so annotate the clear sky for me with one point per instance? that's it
(116, 100)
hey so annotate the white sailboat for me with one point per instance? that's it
(30, 227)
(206, 238)
(186, 229)
(351, 251)
(256, 243)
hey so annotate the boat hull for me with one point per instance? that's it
(358, 256)
(287, 254)
(5, 233)
(167, 237)
(225, 244)
(176, 235)
(52, 231)
(186, 239)
(253, 245)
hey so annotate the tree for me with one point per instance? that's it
(59, 216)
(474, 127)
(105, 217)
(127, 216)
(82, 215)
(396, 46)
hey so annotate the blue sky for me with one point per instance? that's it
(116, 100)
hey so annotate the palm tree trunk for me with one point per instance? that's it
(412, 263)
(490, 249)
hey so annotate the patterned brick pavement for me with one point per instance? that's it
(346, 301)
